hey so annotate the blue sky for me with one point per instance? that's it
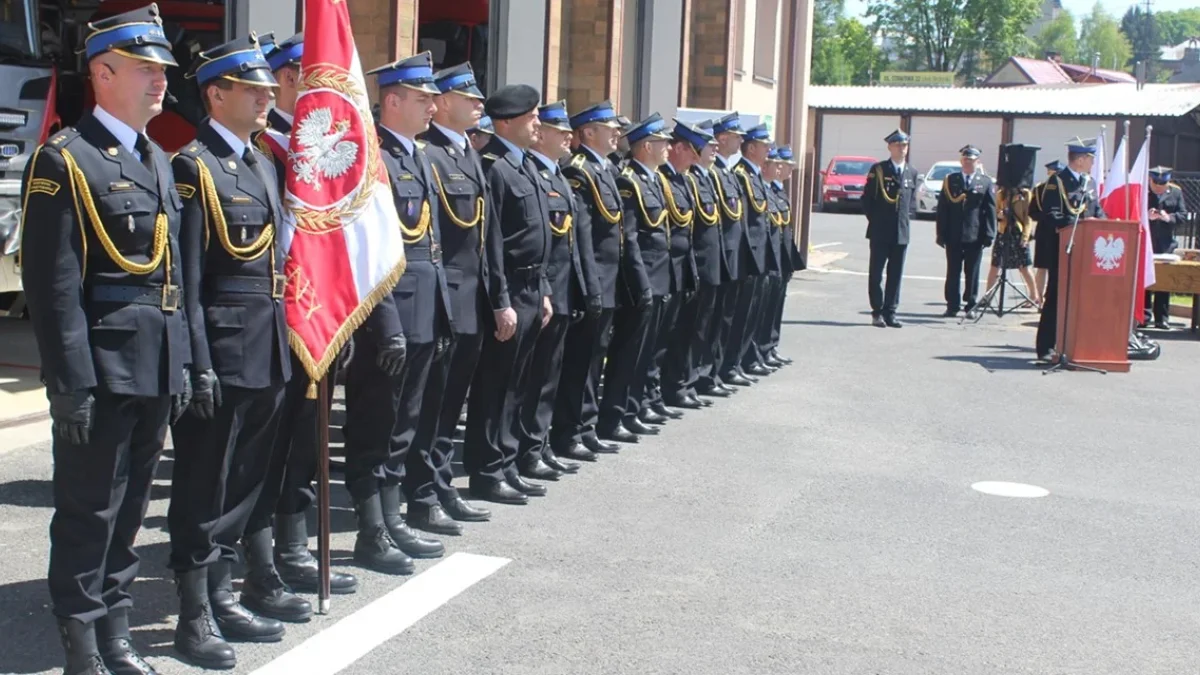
(1077, 7)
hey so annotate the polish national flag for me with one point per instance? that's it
(1124, 198)
(340, 228)
(1098, 173)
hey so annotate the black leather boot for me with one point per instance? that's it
(79, 644)
(406, 539)
(237, 623)
(263, 591)
(296, 565)
(198, 639)
(116, 645)
(374, 548)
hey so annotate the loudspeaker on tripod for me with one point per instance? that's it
(1016, 165)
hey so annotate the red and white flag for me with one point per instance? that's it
(1098, 172)
(341, 231)
(1125, 198)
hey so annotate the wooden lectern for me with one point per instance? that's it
(1096, 305)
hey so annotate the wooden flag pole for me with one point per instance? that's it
(323, 506)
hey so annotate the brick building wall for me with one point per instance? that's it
(383, 32)
(707, 82)
(585, 71)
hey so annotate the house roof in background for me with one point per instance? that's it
(1076, 72)
(1041, 71)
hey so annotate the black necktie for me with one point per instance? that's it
(142, 146)
(251, 161)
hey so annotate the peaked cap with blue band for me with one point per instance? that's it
(239, 60)
(758, 133)
(286, 53)
(483, 126)
(458, 79)
(1161, 174)
(554, 115)
(414, 72)
(785, 154)
(696, 137)
(969, 151)
(137, 34)
(601, 113)
(1082, 146)
(896, 136)
(1056, 166)
(649, 129)
(731, 122)
(773, 153)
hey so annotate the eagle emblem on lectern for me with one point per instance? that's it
(1109, 251)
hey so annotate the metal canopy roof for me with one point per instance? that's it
(1060, 100)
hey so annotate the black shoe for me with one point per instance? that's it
(772, 362)
(662, 409)
(498, 492)
(263, 591)
(650, 416)
(687, 403)
(374, 548)
(116, 645)
(555, 462)
(736, 380)
(782, 359)
(521, 485)
(893, 322)
(617, 433)
(432, 519)
(413, 545)
(237, 623)
(198, 638)
(715, 392)
(727, 389)
(296, 565)
(1162, 324)
(459, 509)
(580, 453)
(748, 377)
(951, 313)
(878, 322)
(535, 468)
(759, 370)
(692, 399)
(593, 443)
(635, 425)
(79, 644)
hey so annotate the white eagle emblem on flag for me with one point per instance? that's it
(1108, 252)
(323, 152)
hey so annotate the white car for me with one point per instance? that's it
(930, 184)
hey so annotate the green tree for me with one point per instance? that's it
(956, 35)
(1140, 28)
(1175, 27)
(1059, 36)
(1100, 34)
(827, 63)
(846, 55)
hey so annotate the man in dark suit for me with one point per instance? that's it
(679, 346)
(516, 252)
(1165, 206)
(104, 296)
(966, 224)
(760, 247)
(398, 345)
(574, 294)
(617, 260)
(790, 257)
(708, 246)
(887, 200)
(636, 328)
(233, 290)
(734, 272)
(1064, 199)
(462, 210)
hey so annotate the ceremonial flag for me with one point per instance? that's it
(1098, 173)
(340, 230)
(1125, 199)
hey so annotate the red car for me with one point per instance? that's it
(842, 182)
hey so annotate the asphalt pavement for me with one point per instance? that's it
(822, 521)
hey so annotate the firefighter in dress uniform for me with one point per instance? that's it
(966, 224)
(617, 260)
(790, 259)
(760, 249)
(1065, 198)
(734, 271)
(289, 493)
(1165, 206)
(102, 275)
(887, 202)
(463, 216)
(574, 295)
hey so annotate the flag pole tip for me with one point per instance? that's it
(323, 605)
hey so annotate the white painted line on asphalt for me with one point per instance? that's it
(1003, 489)
(863, 274)
(337, 647)
(827, 245)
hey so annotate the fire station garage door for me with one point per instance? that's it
(1052, 135)
(938, 139)
(855, 135)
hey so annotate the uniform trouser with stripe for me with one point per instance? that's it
(449, 379)
(622, 379)
(545, 372)
(577, 404)
(706, 337)
(657, 342)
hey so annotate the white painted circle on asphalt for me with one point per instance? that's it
(1003, 489)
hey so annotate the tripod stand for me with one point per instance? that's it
(1064, 362)
(990, 301)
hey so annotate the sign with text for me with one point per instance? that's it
(916, 79)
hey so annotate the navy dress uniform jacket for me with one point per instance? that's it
(887, 201)
(233, 270)
(87, 334)
(645, 213)
(1051, 214)
(421, 306)
(1162, 232)
(615, 251)
(518, 242)
(733, 218)
(684, 276)
(571, 277)
(763, 248)
(708, 244)
(966, 210)
(793, 261)
(464, 219)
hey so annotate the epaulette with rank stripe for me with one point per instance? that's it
(579, 160)
(63, 138)
(193, 150)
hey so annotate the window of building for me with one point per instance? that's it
(766, 22)
(738, 29)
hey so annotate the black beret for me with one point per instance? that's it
(512, 100)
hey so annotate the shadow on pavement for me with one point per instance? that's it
(30, 493)
(993, 363)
